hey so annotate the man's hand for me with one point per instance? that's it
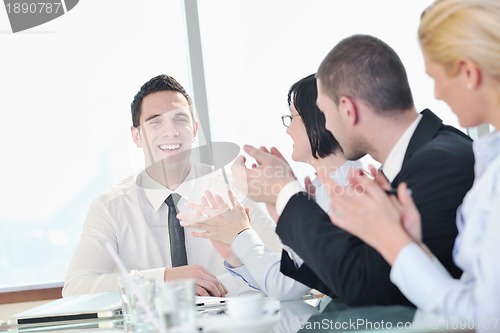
(410, 217)
(206, 283)
(267, 177)
(366, 211)
(218, 220)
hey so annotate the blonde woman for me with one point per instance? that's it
(460, 41)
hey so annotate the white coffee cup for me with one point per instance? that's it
(245, 307)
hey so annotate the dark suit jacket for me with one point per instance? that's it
(438, 167)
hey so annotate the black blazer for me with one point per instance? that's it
(438, 167)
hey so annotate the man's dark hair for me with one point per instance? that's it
(364, 67)
(159, 83)
(303, 95)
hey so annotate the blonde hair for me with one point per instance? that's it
(451, 30)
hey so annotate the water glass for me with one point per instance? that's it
(138, 315)
(175, 305)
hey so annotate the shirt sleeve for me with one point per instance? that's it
(156, 274)
(286, 193)
(243, 273)
(262, 268)
(297, 260)
(284, 196)
(91, 269)
(487, 266)
(419, 277)
(425, 282)
(430, 287)
(263, 225)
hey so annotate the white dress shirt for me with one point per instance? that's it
(261, 268)
(476, 296)
(340, 177)
(394, 160)
(133, 217)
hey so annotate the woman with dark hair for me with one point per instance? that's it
(229, 228)
(312, 142)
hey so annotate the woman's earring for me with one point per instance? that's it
(469, 86)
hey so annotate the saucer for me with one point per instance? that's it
(227, 324)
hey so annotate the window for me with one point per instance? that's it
(67, 87)
(66, 92)
(255, 52)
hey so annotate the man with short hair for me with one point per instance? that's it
(135, 216)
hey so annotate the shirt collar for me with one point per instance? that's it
(394, 160)
(486, 149)
(157, 193)
(341, 174)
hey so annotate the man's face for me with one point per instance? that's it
(166, 129)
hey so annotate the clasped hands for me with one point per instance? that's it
(217, 220)
(266, 178)
(221, 222)
(385, 222)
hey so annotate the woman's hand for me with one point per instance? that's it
(217, 219)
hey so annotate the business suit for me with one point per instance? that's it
(439, 168)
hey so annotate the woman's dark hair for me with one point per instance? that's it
(303, 95)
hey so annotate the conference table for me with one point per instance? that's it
(306, 315)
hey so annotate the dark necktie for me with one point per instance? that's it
(176, 232)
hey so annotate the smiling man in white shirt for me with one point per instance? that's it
(133, 216)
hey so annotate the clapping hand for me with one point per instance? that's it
(219, 222)
(385, 222)
(267, 177)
